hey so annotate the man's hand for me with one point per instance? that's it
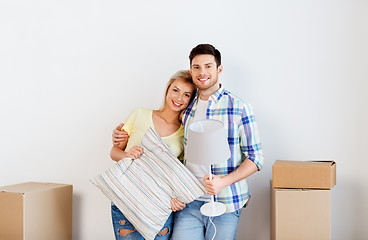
(119, 135)
(215, 185)
(134, 152)
(177, 205)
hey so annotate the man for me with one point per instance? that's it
(228, 184)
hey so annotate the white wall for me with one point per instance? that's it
(72, 70)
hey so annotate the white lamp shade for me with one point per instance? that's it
(207, 143)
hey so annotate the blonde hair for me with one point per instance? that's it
(181, 74)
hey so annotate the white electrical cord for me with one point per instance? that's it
(214, 227)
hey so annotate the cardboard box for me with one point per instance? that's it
(36, 211)
(304, 174)
(300, 214)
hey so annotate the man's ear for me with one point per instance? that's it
(219, 69)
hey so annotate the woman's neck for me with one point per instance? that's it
(169, 115)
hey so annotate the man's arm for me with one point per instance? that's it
(119, 135)
(250, 146)
(247, 168)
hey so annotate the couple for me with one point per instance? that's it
(183, 105)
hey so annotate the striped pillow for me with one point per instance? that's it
(142, 189)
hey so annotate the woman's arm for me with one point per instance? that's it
(118, 151)
(177, 205)
(120, 140)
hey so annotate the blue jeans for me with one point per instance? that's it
(120, 222)
(191, 224)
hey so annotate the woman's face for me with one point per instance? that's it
(179, 95)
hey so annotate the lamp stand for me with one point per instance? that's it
(212, 208)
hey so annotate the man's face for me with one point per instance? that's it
(205, 73)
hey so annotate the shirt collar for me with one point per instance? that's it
(215, 96)
(218, 94)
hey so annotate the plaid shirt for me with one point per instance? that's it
(243, 138)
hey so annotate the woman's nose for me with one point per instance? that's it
(180, 98)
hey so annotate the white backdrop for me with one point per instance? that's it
(70, 71)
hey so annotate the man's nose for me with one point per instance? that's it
(202, 71)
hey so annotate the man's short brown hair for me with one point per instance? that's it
(202, 49)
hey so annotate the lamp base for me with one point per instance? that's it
(213, 209)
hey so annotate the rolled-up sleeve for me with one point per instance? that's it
(250, 143)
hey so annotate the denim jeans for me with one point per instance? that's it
(119, 221)
(191, 224)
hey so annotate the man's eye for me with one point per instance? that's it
(208, 66)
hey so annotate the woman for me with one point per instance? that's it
(180, 91)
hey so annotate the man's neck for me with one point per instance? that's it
(207, 93)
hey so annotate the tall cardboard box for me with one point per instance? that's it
(300, 214)
(36, 211)
(304, 174)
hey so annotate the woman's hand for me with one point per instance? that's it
(134, 152)
(119, 135)
(177, 205)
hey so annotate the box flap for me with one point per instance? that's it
(30, 187)
(317, 174)
(304, 163)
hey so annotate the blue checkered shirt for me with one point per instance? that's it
(243, 139)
